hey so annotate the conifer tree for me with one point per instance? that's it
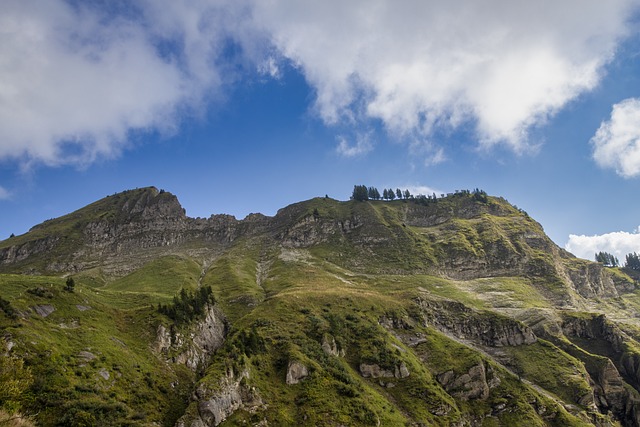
(360, 193)
(70, 284)
(391, 194)
(632, 261)
(607, 259)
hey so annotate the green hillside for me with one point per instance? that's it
(454, 312)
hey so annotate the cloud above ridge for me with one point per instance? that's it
(75, 81)
(616, 144)
(618, 243)
(506, 66)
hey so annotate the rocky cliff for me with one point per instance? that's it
(458, 311)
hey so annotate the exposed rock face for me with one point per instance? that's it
(611, 395)
(474, 384)
(375, 371)
(608, 375)
(18, 253)
(194, 347)
(214, 406)
(595, 327)
(592, 280)
(308, 231)
(296, 372)
(140, 222)
(330, 347)
(488, 329)
(44, 310)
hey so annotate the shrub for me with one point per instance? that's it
(70, 284)
(188, 306)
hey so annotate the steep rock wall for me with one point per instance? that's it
(194, 346)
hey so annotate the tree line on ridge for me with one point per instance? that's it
(632, 260)
(363, 193)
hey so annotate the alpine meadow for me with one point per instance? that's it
(451, 311)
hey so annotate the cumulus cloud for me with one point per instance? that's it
(616, 143)
(505, 66)
(76, 80)
(619, 243)
(72, 87)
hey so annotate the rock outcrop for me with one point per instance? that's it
(194, 346)
(611, 394)
(485, 328)
(476, 383)
(373, 370)
(330, 347)
(595, 327)
(215, 405)
(593, 280)
(296, 372)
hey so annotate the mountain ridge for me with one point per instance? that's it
(457, 311)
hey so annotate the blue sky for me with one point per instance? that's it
(247, 106)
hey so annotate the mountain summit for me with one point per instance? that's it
(450, 311)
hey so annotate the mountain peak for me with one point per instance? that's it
(460, 305)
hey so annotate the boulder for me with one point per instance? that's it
(296, 372)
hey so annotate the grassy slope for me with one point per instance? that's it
(282, 303)
(118, 328)
(307, 298)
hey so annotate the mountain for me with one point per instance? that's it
(458, 311)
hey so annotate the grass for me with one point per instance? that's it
(165, 275)
(506, 292)
(554, 370)
(352, 273)
(70, 386)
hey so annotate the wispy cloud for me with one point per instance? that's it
(423, 190)
(361, 146)
(4, 193)
(616, 144)
(618, 243)
(75, 81)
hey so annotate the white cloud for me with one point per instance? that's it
(618, 243)
(270, 68)
(72, 87)
(506, 66)
(424, 190)
(616, 143)
(75, 80)
(361, 146)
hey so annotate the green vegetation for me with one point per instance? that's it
(554, 370)
(188, 305)
(607, 259)
(69, 284)
(389, 309)
(88, 361)
(632, 261)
